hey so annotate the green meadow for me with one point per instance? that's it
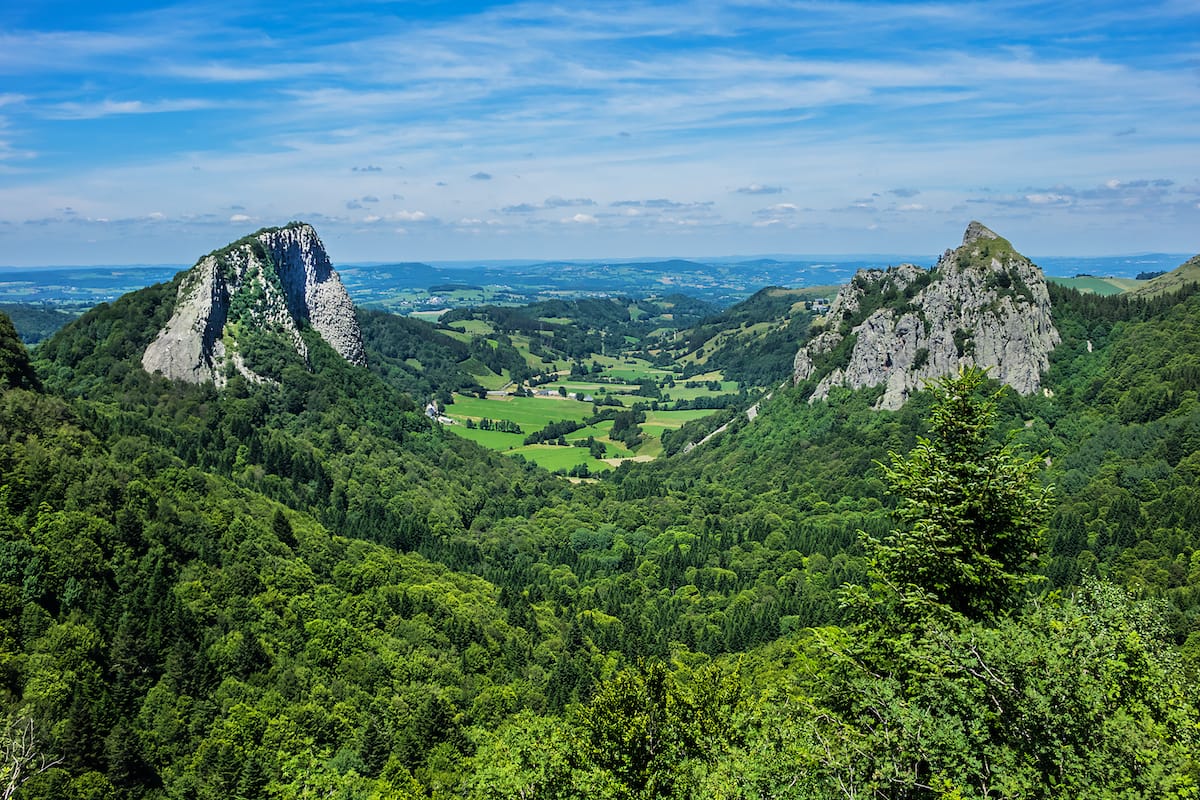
(681, 392)
(477, 327)
(1103, 286)
(534, 413)
(493, 440)
(555, 457)
(531, 413)
(617, 375)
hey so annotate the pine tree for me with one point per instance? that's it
(971, 510)
(376, 747)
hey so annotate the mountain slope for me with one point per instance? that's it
(168, 633)
(16, 371)
(752, 342)
(982, 304)
(1186, 273)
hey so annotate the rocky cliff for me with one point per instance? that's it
(983, 304)
(252, 295)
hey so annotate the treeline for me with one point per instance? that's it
(750, 357)
(1107, 309)
(393, 343)
(35, 322)
(594, 325)
(554, 431)
(502, 425)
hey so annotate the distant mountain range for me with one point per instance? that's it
(405, 286)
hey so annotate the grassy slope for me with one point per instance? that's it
(1185, 273)
(1102, 286)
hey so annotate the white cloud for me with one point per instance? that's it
(61, 51)
(1048, 199)
(109, 108)
(239, 73)
(758, 188)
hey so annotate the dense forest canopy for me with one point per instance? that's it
(309, 588)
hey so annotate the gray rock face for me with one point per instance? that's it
(265, 282)
(982, 304)
(314, 291)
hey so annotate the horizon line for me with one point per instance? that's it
(600, 260)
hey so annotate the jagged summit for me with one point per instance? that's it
(240, 302)
(976, 231)
(983, 304)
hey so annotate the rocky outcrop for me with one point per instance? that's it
(983, 304)
(265, 284)
(313, 289)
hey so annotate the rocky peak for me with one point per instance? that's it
(252, 296)
(983, 304)
(976, 231)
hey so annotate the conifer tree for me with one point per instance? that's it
(971, 510)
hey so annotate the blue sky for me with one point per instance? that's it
(143, 133)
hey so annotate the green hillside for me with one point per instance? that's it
(1185, 274)
(35, 322)
(754, 341)
(310, 589)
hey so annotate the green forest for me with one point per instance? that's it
(308, 588)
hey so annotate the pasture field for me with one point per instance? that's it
(650, 449)
(590, 387)
(659, 421)
(492, 440)
(714, 375)
(491, 381)
(554, 457)
(600, 432)
(531, 413)
(522, 342)
(479, 327)
(635, 370)
(429, 316)
(681, 392)
(1102, 286)
(607, 362)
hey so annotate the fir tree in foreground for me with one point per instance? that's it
(971, 511)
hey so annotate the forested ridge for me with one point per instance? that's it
(309, 589)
